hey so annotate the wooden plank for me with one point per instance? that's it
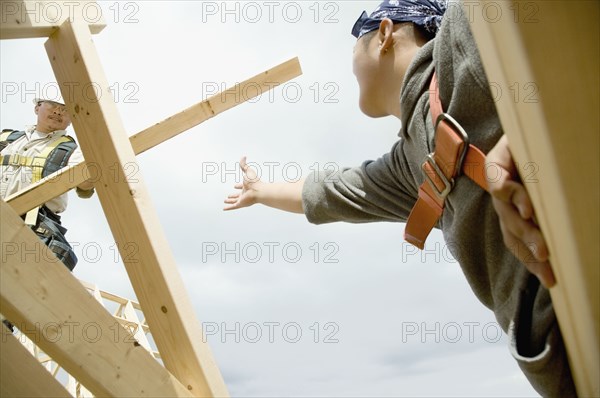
(21, 375)
(196, 114)
(48, 188)
(551, 47)
(131, 216)
(21, 19)
(47, 303)
(68, 178)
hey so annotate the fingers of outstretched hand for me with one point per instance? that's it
(243, 198)
(233, 202)
(233, 196)
(243, 164)
(249, 173)
(231, 199)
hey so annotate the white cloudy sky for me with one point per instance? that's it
(376, 318)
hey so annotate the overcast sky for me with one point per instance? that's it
(290, 309)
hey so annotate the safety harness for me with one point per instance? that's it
(452, 156)
(44, 222)
(52, 158)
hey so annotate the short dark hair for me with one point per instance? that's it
(367, 37)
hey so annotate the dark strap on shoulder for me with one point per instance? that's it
(56, 159)
(59, 157)
(9, 135)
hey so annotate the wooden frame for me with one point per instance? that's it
(45, 301)
(555, 51)
(131, 216)
(39, 292)
(18, 366)
(68, 178)
(28, 19)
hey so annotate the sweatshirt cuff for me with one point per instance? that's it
(84, 194)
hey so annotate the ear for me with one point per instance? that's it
(36, 109)
(385, 36)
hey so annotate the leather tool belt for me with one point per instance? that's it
(52, 233)
(452, 156)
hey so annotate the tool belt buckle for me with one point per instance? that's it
(43, 231)
(457, 129)
(14, 160)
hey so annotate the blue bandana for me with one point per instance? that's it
(425, 13)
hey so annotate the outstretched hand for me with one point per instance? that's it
(515, 211)
(247, 196)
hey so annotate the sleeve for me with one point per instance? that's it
(381, 190)
(76, 158)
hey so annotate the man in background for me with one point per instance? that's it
(30, 155)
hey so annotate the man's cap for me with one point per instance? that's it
(425, 13)
(57, 100)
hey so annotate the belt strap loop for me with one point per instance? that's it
(452, 156)
(32, 215)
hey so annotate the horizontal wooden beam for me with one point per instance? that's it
(543, 58)
(196, 114)
(49, 305)
(131, 216)
(68, 178)
(21, 375)
(23, 19)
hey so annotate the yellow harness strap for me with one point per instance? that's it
(40, 160)
(4, 135)
(37, 165)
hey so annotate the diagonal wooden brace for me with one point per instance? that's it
(131, 215)
(47, 303)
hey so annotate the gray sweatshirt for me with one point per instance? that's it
(386, 190)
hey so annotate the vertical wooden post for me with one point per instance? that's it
(549, 51)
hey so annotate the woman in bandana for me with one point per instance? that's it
(400, 45)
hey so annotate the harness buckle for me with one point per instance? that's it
(14, 160)
(448, 184)
(457, 129)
